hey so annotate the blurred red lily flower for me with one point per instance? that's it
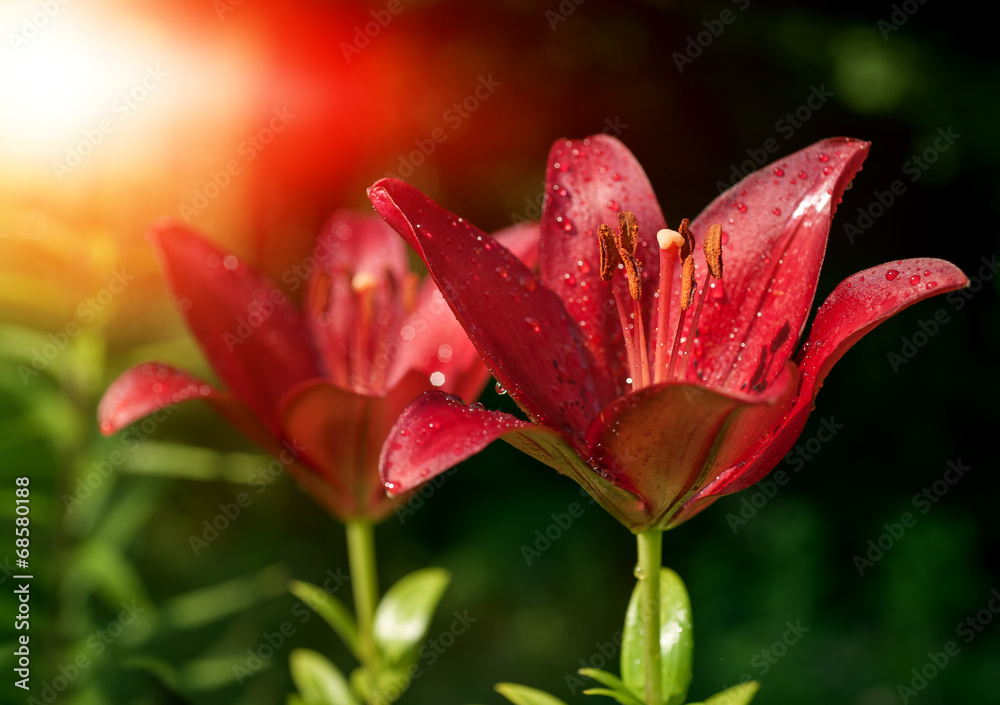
(655, 404)
(317, 388)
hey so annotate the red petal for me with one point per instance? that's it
(434, 433)
(339, 435)
(356, 302)
(437, 432)
(153, 386)
(144, 389)
(660, 441)
(222, 299)
(856, 306)
(587, 183)
(437, 341)
(520, 327)
(775, 225)
(361, 244)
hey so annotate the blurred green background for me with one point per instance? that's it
(692, 113)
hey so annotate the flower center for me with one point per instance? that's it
(670, 352)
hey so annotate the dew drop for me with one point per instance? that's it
(499, 389)
(583, 265)
(914, 280)
(477, 406)
(826, 171)
(637, 572)
(777, 211)
(823, 157)
(741, 207)
(891, 274)
(778, 171)
(802, 175)
(533, 324)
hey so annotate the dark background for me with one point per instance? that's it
(792, 559)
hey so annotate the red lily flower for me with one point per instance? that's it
(654, 398)
(317, 388)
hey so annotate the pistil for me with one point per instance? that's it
(670, 242)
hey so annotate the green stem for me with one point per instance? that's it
(650, 559)
(364, 582)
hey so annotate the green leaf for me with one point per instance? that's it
(624, 697)
(603, 677)
(384, 688)
(319, 682)
(737, 695)
(676, 641)
(330, 609)
(523, 695)
(404, 614)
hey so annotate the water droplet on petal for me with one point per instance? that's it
(778, 171)
(914, 280)
(777, 211)
(499, 389)
(823, 157)
(891, 274)
(477, 406)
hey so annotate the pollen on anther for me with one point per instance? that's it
(713, 250)
(687, 282)
(609, 252)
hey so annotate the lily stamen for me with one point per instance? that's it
(688, 285)
(619, 250)
(712, 246)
